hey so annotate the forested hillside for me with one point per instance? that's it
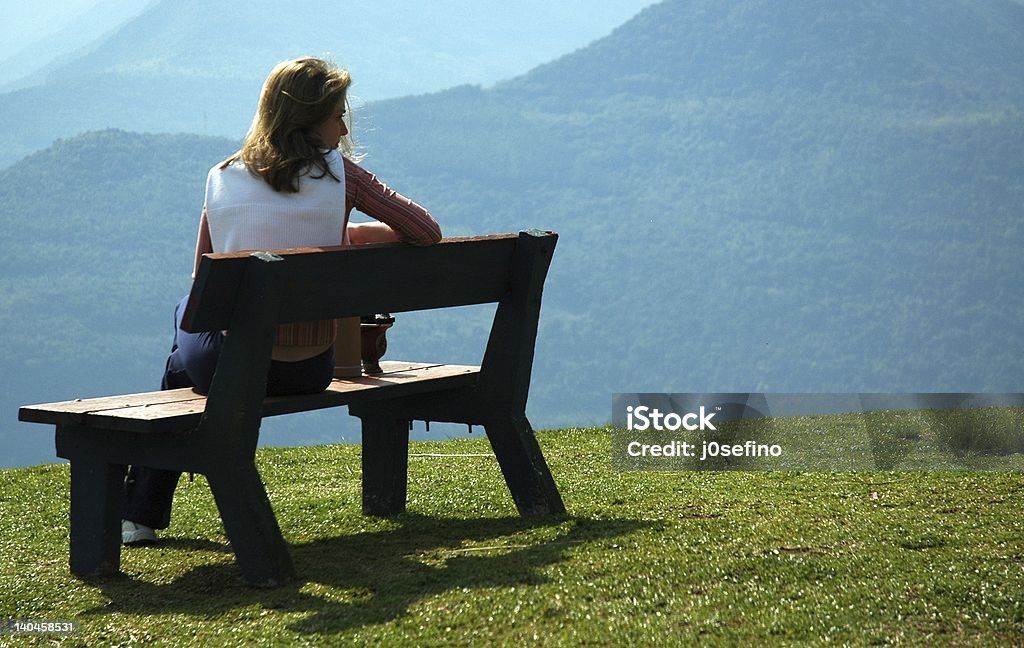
(751, 196)
(757, 196)
(99, 232)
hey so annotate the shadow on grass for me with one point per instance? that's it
(193, 544)
(373, 578)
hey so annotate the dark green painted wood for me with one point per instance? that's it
(251, 526)
(235, 402)
(97, 502)
(498, 400)
(172, 451)
(229, 430)
(391, 278)
(508, 359)
(385, 441)
(523, 466)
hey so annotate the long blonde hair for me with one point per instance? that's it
(282, 143)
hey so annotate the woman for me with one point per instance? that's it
(292, 184)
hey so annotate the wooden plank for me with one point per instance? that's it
(397, 366)
(72, 412)
(45, 412)
(389, 385)
(181, 409)
(400, 278)
(339, 392)
(29, 413)
(452, 241)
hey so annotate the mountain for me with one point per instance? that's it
(39, 37)
(193, 66)
(899, 51)
(746, 206)
(730, 222)
(25, 25)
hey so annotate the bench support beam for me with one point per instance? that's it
(523, 466)
(251, 526)
(97, 502)
(385, 463)
(386, 442)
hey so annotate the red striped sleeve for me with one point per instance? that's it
(363, 191)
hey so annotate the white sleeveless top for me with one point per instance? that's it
(245, 213)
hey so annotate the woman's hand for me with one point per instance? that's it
(363, 233)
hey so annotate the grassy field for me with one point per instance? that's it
(644, 558)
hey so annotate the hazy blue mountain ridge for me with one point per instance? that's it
(750, 218)
(865, 51)
(29, 53)
(718, 233)
(192, 66)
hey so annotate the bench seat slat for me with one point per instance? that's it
(181, 409)
(390, 384)
(93, 405)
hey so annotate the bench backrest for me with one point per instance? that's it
(330, 282)
(250, 293)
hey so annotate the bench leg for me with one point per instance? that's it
(97, 501)
(251, 526)
(522, 463)
(385, 464)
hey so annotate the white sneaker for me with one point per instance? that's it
(136, 534)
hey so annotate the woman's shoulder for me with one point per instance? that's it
(353, 171)
(231, 165)
(335, 161)
(232, 177)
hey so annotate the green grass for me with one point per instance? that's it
(644, 558)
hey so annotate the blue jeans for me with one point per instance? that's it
(191, 363)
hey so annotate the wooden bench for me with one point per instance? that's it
(249, 294)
